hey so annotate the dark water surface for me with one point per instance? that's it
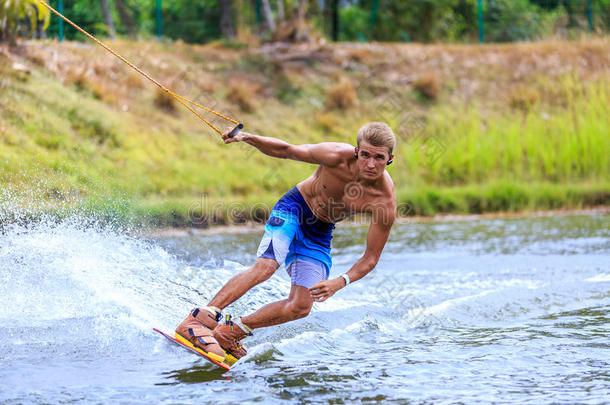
(507, 311)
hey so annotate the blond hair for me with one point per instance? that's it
(377, 134)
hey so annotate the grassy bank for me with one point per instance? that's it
(480, 128)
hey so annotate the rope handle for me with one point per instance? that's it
(236, 130)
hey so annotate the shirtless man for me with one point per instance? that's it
(348, 180)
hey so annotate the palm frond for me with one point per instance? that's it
(13, 12)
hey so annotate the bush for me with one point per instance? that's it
(165, 101)
(524, 97)
(428, 85)
(512, 20)
(285, 90)
(327, 121)
(88, 83)
(77, 78)
(342, 95)
(243, 94)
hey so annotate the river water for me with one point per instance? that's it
(503, 310)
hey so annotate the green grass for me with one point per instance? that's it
(501, 196)
(460, 146)
(63, 146)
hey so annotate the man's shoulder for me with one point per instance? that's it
(336, 154)
(388, 187)
(345, 150)
(383, 200)
(388, 196)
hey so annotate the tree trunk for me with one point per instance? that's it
(3, 33)
(108, 18)
(268, 15)
(126, 18)
(40, 33)
(335, 19)
(572, 21)
(239, 19)
(281, 15)
(301, 34)
(226, 19)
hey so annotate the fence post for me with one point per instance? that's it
(60, 8)
(480, 19)
(259, 16)
(373, 15)
(159, 20)
(590, 15)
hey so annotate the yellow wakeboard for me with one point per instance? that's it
(225, 362)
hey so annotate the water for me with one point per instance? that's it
(509, 311)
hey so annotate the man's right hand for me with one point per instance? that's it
(323, 290)
(237, 138)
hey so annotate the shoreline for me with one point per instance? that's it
(250, 226)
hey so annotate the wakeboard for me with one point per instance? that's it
(225, 362)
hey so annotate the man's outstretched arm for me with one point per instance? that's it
(379, 231)
(326, 153)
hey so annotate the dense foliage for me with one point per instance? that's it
(358, 20)
(15, 15)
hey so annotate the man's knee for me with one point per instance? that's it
(300, 308)
(264, 268)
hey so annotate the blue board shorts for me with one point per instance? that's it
(295, 237)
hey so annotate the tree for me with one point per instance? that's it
(40, 31)
(601, 10)
(302, 9)
(570, 8)
(126, 18)
(334, 7)
(108, 18)
(268, 15)
(197, 21)
(512, 20)
(281, 15)
(13, 11)
(226, 19)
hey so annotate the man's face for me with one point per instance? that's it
(372, 160)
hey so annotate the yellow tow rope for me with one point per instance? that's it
(178, 97)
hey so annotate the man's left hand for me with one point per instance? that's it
(237, 138)
(323, 290)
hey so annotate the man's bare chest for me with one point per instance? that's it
(341, 198)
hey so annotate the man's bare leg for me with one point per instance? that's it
(296, 306)
(240, 283)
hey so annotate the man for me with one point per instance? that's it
(348, 180)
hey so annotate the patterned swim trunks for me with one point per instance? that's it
(295, 237)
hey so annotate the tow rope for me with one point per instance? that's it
(182, 100)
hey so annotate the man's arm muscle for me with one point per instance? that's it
(379, 231)
(326, 153)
